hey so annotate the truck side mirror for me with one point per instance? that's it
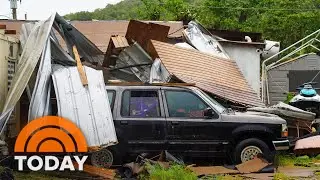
(208, 113)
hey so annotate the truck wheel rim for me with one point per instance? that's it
(249, 153)
(102, 158)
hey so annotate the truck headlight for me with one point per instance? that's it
(284, 131)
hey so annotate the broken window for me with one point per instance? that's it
(185, 104)
(140, 104)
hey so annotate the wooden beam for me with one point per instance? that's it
(82, 74)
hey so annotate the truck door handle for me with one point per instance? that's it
(174, 122)
(124, 122)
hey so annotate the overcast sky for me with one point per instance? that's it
(42, 9)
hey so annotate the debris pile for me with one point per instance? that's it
(56, 82)
(133, 169)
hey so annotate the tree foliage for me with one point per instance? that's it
(280, 20)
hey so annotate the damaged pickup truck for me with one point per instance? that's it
(188, 122)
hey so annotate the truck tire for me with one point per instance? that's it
(249, 148)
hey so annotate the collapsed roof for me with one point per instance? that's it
(218, 76)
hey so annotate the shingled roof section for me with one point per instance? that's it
(221, 77)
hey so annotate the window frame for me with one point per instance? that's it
(113, 100)
(184, 118)
(142, 90)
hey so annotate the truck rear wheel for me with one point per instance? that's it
(249, 148)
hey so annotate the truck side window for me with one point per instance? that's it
(140, 104)
(111, 96)
(185, 104)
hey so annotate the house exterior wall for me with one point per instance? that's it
(248, 61)
(8, 56)
(278, 77)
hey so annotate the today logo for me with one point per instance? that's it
(50, 135)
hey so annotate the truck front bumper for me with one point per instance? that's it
(281, 145)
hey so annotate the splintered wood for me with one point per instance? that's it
(82, 74)
(96, 171)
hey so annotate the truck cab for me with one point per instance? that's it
(186, 121)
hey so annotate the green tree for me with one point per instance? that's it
(286, 21)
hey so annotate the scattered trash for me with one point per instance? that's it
(253, 166)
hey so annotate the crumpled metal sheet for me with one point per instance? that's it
(40, 101)
(26, 30)
(196, 36)
(30, 56)
(88, 107)
(159, 73)
(4, 118)
(87, 50)
(135, 55)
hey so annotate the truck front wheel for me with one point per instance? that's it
(249, 148)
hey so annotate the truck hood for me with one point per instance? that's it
(252, 117)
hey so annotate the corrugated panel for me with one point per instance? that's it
(218, 76)
(88, 107)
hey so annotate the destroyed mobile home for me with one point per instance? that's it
(145, 95)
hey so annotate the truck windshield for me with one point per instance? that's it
(217, 105)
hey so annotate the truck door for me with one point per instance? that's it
(187, 129)
(140, 120)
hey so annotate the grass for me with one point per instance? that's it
(291, 161)
(281, 176)
(175, 172)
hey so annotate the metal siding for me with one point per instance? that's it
(309, 62)
(248, 61)
(87, 107)
(278, 77)
(278, 86)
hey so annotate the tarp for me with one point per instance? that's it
(88, 107)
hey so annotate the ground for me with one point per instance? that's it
(291, 168)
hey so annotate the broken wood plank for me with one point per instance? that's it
(96, 171)
(82, 74)
(252, 166)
